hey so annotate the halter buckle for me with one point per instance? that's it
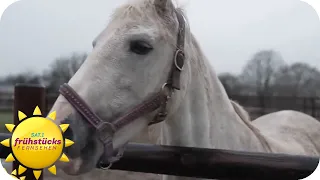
(162, 114)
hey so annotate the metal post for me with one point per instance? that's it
(26, 98)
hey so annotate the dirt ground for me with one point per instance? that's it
(106, 175)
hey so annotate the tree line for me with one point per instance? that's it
(59, 72)
(265, 74)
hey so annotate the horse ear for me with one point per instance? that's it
(164, 6)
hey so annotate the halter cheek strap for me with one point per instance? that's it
(106, 129)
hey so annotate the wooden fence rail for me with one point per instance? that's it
(208, 163)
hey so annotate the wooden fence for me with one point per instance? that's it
(254, 104)
(185, 161)
(258, 106)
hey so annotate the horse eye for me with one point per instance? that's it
(140, 47)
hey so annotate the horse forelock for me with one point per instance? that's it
(136, 10)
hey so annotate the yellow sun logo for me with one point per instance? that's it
(14, 174)
(36, 143)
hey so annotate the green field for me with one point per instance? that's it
(5, 118)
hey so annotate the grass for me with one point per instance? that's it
(5, 118)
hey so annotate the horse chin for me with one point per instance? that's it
(76, 167)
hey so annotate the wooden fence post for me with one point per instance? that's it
(313, 107)
(305, 108)
(262, 104)
(26, 98)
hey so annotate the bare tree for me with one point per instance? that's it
(298, 79)
(62, 69)
(259, 73)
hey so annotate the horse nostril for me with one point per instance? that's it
(68, 134)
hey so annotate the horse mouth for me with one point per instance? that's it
(73, 167)
(78, 166)
(83, 155)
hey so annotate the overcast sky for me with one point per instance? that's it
(34, 32)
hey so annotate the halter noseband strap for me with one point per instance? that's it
(106, 130)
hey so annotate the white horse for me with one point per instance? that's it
(131, 59)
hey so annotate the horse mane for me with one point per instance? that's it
(244, 116)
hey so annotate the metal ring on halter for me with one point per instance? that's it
(163, 86)
(175, 60)
(104, 167)
(162, 89)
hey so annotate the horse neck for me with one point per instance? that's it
(205, 116)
